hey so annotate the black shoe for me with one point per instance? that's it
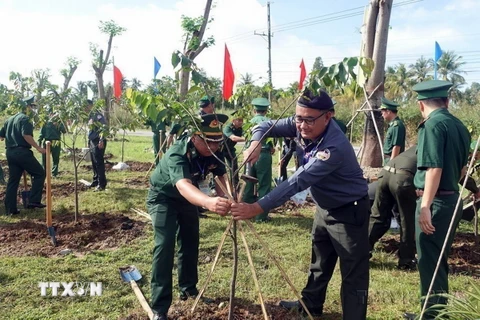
(99, 189)
(409, 265)
(296, 306)
(185, 295)
(11, 213)
(93, 185)
(409, 316)
(34, 205)
(159, 316)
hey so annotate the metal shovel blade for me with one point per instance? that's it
(129, 273)
(51, 233)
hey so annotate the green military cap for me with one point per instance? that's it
(388, 105)
(205, 101)
(211, 126)
(432, 89)
(260, 104)
(30, 101)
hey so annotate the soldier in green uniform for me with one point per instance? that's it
(233, 133)
(395, 186)
(340, 123)
(175, 192)
(394, 143)
(18, 134)
(262, 169)
(442, 154)
(52, 131)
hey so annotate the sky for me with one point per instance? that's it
(41, 34)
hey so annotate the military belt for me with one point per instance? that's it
(395, 170)
(438, 194)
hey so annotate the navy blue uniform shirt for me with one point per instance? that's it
(97, 126)
(329, 167)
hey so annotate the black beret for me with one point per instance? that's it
(319, 102)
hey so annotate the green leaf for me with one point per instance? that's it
(152, 112)
(315, 86)
(194, 89)
(197, 77)
(341, 75)
(175, 60)
(322, 72)
(186, 62)
(351, 63)
(327, 81)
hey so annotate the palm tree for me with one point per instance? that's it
(245, 79)
(398, 82)
(449, 67)
(420, 70)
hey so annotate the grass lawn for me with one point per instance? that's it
(99, 249)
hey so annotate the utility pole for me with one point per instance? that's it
(269, 37)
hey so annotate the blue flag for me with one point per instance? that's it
(438, 51)
(156, 67)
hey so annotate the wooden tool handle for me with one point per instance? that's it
(141, 299)
(48, 173)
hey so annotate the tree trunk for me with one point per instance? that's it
(184, 83)
(103, 96)
(378, 20)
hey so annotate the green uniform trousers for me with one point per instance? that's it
(429, 247)
(173, 221)
(55, 151)
(19, 160)
(342, 234)
(394, 188)
(157, 144)
(262, 170)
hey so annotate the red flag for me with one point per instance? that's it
(228, 76)
(303, 75)
(117, 82)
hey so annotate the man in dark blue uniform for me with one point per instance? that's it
(340, 227)
(97, 143)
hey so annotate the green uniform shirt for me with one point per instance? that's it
(342, 125)
(51, 131)
(228, 131)
(267, 144)
(405, 161)
(14, 129)
(443, 142)
(395, 136)
(183, 162)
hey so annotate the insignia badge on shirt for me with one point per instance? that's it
(395, 123)
(323, 155)
(212, 166)
(99, 117)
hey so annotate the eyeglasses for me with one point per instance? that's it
(308, 121)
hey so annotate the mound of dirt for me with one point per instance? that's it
(464, 257)
(29, 237)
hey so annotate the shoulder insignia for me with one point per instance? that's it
(323, 155)
(395, 123)
(99, 116)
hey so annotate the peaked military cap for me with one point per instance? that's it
(211, 126)
(322, 101)
(30, 101)
(260, 104)
(205, 101)
(432, 89)
(388, 105)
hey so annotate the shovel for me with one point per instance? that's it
(48, 172)
(25, 192)
(130, 274)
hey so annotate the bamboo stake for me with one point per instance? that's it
(209, 276)
(282, 271)
(254, 274)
